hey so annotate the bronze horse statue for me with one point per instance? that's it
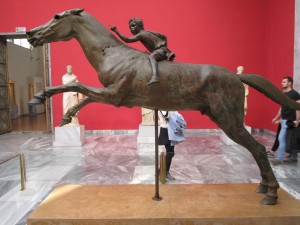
(125, 71)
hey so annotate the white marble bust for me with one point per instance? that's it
(240, 70)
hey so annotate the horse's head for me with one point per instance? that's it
(59, 28)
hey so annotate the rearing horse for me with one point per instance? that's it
(124, 72)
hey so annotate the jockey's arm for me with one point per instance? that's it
(134, 38)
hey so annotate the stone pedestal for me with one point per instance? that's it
(146, 134)
(72, 136)
(146, 140)
(189, 204)
(227, 141)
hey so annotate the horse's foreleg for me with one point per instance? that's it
(41, 96)
(71, 87)
(104, 95)
(113, 94)
(67, 118)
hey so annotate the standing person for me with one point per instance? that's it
(171, 126)
(70, 98)
(155, 43)
(286, 114)
(271, 152)
(292, 142)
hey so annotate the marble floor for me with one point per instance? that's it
(29, 123)
(114, 159)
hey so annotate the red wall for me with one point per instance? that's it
(226, 33)
(280, 50)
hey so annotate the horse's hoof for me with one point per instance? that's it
(65, 120)
(36, 100)
(262, 189)
(268, 200)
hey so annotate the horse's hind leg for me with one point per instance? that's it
(67, 118)
(231, 122)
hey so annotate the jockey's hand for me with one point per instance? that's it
(113, 27)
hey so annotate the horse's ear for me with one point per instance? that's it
(76, 11)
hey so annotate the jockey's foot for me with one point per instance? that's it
(153, 80)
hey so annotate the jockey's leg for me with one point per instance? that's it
(154, 58)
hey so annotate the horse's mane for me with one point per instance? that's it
(98, 27)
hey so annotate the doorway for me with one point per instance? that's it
(28, 72)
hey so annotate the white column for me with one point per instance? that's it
(297, 47)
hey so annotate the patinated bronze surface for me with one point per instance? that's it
(155, 43)
(124, 72)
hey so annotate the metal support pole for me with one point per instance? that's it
(22, 172)
(156, 197)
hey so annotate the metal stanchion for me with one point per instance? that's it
(23, 149)
(162, 171)
(156, 196)
(22, 168)
(22, 171)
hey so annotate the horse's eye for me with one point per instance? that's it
(56, 16)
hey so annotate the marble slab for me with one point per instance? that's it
(227, 141)
(146, 140)
(69, 136)
(114, 159)
(15, 204)
(226, 204)
(146, 134)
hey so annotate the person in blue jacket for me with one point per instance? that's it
(172, 125)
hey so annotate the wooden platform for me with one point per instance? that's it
(207, 204)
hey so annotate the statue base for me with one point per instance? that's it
(227, 141)
(146, 140)
(69, 136)
(146, 134)
(226, 204)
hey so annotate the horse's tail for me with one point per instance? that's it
(268, 89)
